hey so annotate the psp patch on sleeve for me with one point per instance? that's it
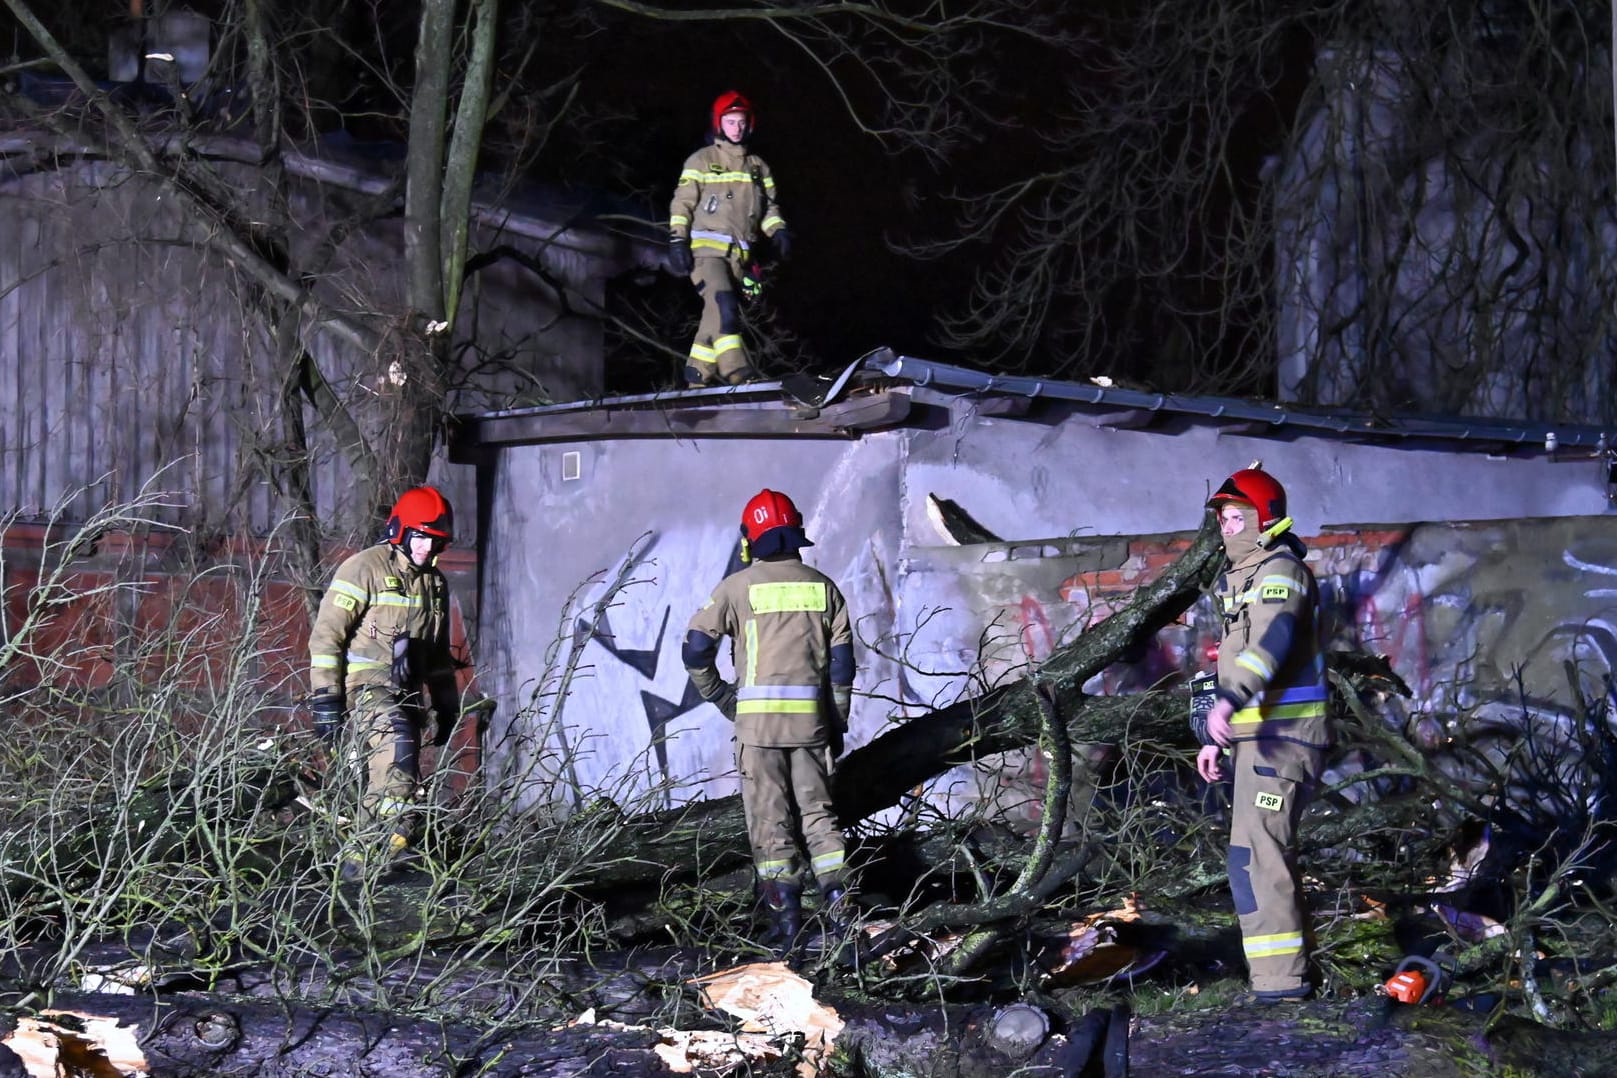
(347, 602)
(1274, 593)
(1269, 802)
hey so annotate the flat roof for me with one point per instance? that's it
(885, 389)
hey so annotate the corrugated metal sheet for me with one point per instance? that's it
(129, 357)
(1106, 405)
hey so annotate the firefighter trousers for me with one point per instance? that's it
(1273, 781)
(717, 352)
(786, 792)
(389, 732)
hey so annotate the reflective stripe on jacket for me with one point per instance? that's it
(783, 618)
(374, 597)
(724, 201)
(1270, 663)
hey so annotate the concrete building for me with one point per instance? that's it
(605, 525)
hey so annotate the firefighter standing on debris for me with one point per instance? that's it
(793, 651)
(724, 202)
(381, 633)
(1270, 713)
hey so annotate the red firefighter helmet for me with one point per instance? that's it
(730, 101)
(424, 510)
(768, 510)
(1256, 488)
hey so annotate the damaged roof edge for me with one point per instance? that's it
(592, 419)
(923, 372)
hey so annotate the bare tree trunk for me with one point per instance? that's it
(709, 835)
(876, 776)
(181, 1036)
(460, 166)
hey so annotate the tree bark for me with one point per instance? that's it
(711, 834)
(423, 193)
(182, 1036)
(460, 166)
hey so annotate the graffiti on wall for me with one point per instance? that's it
(1479, 619)
(637, 725)
(1474, 617)
(659, 711)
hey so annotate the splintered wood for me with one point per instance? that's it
(773, 1001)
(55, 1043)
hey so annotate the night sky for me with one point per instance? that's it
(844, 192)
(620, 100)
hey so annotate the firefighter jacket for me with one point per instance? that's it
(783, 618)
(724, 201)
(1270, 665)
(383, 624)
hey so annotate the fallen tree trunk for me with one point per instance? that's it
(878, 775)
(635, 984)
(194, 1035)
(181, 1036)
(1355, 1038)
(711, 835)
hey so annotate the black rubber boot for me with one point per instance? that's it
(835, 906)
(784, 901)
(695, 379)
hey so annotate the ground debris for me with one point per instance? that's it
(1336, 1038)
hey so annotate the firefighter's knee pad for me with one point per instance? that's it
(1240, 868)
(406, 745)
(729, 312)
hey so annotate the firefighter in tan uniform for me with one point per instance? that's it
(1271, 714)
(381, 633)
(723, 204)
(793, 652)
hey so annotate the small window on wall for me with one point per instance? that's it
(572, 465)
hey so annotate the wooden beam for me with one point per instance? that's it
(710, 421)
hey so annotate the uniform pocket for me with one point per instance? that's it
(1292, 763)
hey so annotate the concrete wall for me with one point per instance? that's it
(663, 517)
(935, 619)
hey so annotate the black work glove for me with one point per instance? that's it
(841, 708)
(446, 710)
(1203, 695)
(714, 689)
(679, 257)
(725, 701)
(782, 240)
(327, 711)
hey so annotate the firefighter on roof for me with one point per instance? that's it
(723, 205)
(381, 634)
(793, 652)
(1270, 713)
